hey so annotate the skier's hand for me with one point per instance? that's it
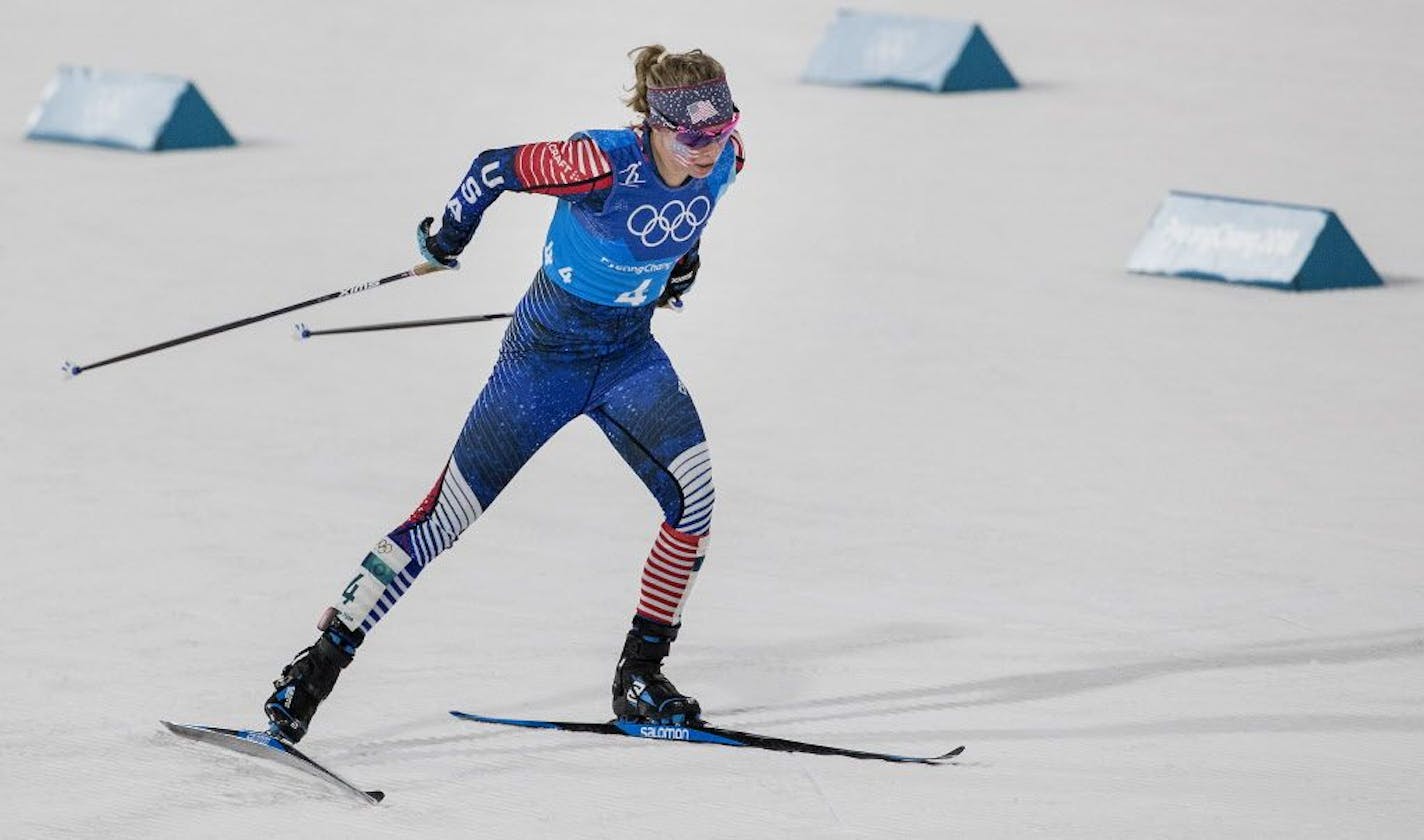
(430, 248)
(684, 274)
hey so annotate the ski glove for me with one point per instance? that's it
(429, 248)
(684, 274)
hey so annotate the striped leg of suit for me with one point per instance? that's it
(527, 399)
(392, 566)
(692, 470)
(668, 574)
(650, 418)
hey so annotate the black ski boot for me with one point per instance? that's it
(640, 691)
(309, 679)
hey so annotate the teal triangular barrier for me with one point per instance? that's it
(140, 111)
(934, 54)
(1257, 243)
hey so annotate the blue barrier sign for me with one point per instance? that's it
(932, 54)
(125, 110)
(1260, 243)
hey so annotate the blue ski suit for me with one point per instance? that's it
(580, 343)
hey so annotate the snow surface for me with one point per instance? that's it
(1150, 547)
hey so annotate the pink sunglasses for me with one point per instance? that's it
(698, 138)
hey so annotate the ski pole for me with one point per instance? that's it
(303, 331)
(424, 268)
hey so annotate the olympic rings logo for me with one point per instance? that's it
(677, 220)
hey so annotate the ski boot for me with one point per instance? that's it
(309, 678)
(640, 691)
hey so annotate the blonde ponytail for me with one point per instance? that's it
(654, 66)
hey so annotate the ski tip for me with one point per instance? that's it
(926, 759)
(375, 795)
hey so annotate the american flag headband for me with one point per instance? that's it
(701, 114)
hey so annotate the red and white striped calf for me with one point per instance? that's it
(669, 573)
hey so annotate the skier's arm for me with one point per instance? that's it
(568, 169)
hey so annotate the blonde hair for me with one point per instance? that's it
(654, 66)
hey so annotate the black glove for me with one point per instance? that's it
(429, 248)
(684, 274)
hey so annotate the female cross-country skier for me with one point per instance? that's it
(633, 203)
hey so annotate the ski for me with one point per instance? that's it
(705, 734)
(263, 745)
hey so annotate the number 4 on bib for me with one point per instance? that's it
(638, 296)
